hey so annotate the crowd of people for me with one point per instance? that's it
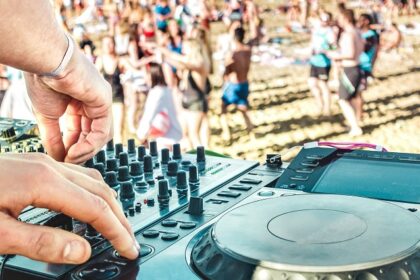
(157, 57)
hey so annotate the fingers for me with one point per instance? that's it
(84, 206)
(46, 244)
(89, 144)
(80, 193)
(51, 135)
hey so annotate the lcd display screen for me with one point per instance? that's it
(375, 179)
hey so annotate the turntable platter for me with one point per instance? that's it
(311, 235)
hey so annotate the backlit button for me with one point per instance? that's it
(409, 158)
(99, 271)
(170, 236)
(187, 225)
(169, 223)
(310, 163)
(145, 250)
(299, 178)
(239, 188)
(266, 193)
(301, 187)
(229, 194)
(250, 181)
(284, 186)
(305, 170)
(314, 157)
(151, 233)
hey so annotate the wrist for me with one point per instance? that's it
(65, 60)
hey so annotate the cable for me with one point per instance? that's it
(3, 263)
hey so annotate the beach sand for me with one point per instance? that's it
(285, 115)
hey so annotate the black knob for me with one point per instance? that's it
(138, 207)
(131, 211)
(100, 167)
(101, 157)
(123, 174)
(195, 206)
(111, 165)
(135, 169)
(131, 146)
(41, 149)
(118, 149)
(141, 152)
(201, 154)
(273, 160)
(150, 202)
(123, 157)
(181, 183)
(164, 155)
(110, 145)
(91, 231)
(176, 152)
(193, 174)
(111, 179)
(89, 163)
(127, 191)
(148, 164)
(31, 149)
(163, 194)
(153, 148)
(172, 168)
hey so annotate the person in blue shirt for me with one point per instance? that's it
(162, 14)
(368, 57)
(322, 40)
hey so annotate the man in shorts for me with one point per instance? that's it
(236, 89)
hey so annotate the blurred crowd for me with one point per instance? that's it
(157, 56)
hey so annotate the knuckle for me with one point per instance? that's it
(41, 245)
(100, 206)
(95, 174)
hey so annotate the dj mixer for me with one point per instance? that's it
(204, 217)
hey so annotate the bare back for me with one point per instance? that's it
(238, 65)
(351, 45)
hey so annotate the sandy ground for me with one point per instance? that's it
(285, 115)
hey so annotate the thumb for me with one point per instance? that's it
(50, 133)
(42, 243)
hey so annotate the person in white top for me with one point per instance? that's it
(159, 120)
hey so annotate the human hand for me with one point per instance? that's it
(36, 179)
(84, 98)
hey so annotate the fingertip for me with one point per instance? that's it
(132, 253)
(76, 251)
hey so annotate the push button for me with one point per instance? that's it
(150, 233)
(250, 181)
(239, 188)
(99, 271)
(145, 250)
(228, 194)
(305, 170)
(310, 163)
(266, 193)
(170, 236)
(169, 223)
(299, 178)
(314, 157)
(187, 225)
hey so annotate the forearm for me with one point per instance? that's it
(31, 38)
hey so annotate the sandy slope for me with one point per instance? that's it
(285, 114)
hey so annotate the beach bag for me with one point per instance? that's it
(160, 125)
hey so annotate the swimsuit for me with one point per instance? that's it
(236, 94)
